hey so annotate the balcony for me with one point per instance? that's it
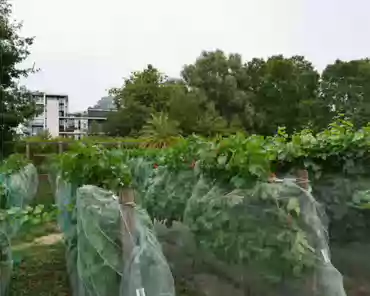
(37, 122)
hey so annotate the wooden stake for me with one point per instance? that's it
(303, 182)
(127, 201)
(302, 179)
(60, 145)
(28, 151)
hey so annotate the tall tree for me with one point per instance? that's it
(16, 103)
(95, 128)
(143, 93)
(196, 115)
(282, 92)
(345, 87)
(148, 88)
(219, 76)
(160, 131)
(126, 121)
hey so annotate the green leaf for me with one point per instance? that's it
(221, 160)
(293, 205)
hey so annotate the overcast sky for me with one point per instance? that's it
(85, 47)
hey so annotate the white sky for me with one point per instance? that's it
(84, 47)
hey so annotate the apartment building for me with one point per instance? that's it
(54, 107)
(73, 125)
(60, 123)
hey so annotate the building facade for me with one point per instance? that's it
(53, 107)
(56, 119)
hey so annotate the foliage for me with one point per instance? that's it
(149, 92)
(95, 128)
(259, 228)
(219, 94)
(195, 114)
(148, 88)
(13, 164)
(29, 215)
(219, 76)
(284, 92)
(345, 87)
(92, 164)
(142, 93)
(16, 104)
(160, 131)
(234, 171)
(127, 121)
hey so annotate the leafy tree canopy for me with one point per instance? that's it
(16, 105)
(221, 94)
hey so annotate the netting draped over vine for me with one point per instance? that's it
(105, 255)
(269, 238)
(18, 190)
(266, 238)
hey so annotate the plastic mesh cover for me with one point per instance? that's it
(96, 260)
(168, 186)
(22, 186)
(269, 240)
(273, 237)
(20, 189)
(65, 198)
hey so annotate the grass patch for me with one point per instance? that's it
(29, 234)
(45, 193)
(39, 263)
(42, 272)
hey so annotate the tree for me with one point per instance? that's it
(259, 95)
(16, 103)
(196, 115)
(282, 92)
(147, 88)
(94, 128)
(127, 121)
(160, 130)
(143, 93)
(219, 77)
(44, 135)
(345, 88)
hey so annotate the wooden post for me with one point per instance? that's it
(302, 179)
(127, 201)
(303, 182)
(28, 151)
(60, 146)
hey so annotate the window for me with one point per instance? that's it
(36, 130)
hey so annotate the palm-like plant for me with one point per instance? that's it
(160, 131)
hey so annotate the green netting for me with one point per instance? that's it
(19, 189)
(340, 193)
(95, 225)
(65, 198)
(344, 196)
(268, 239)
(273, 234)
(264, 238)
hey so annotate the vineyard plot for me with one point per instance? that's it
(269, 238)
(266, 236)
(94, 229)
(17, 191)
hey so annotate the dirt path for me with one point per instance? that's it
(40, 265)
(45, 240)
